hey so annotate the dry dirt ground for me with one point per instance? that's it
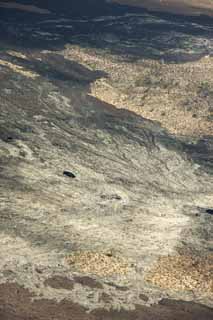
(105, 213)
(179, 96)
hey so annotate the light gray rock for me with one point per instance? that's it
(138, 192)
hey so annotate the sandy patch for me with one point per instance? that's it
(98, 263)
(184, 272)
(179, 96)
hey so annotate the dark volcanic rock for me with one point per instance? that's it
(89, 282)
(79, 8)
(16, 303)
(85, 7)
(58, 282)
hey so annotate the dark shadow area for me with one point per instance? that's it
(80, 8)
(201, 152)
(56, 67)
(209, 211)
(127, 32)
(16, 303)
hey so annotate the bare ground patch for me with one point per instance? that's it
(183, 272)
(173, 94)
(98, 263)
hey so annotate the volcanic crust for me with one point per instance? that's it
(105, 206)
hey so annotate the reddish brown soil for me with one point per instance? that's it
(16, 303)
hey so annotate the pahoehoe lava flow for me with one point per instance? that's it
(106, 161)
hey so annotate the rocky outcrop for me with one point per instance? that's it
(101, 210)
(78, 174)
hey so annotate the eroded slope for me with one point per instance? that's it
(99, 206)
